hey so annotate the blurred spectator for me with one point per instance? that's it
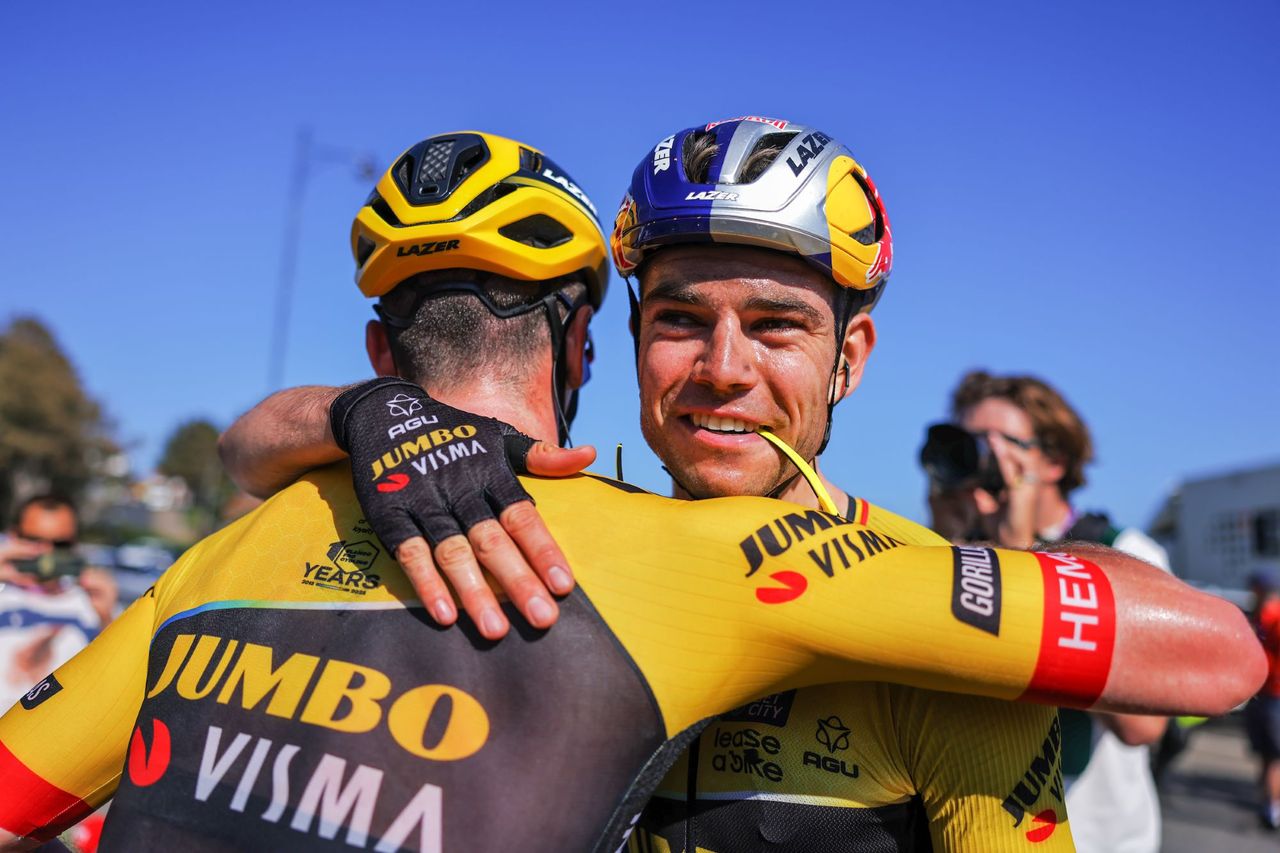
(51, 604)
(1004, 473)
(1262, 714)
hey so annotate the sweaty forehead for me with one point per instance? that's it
(736, 276)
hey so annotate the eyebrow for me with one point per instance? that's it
(675, 290)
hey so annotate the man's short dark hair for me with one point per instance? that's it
(454, 335)
(48, 501)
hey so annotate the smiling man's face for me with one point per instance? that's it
(733, 338)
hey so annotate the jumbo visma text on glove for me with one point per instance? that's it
(421, 467)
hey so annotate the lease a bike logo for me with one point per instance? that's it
(747, 752)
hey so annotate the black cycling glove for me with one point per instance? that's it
(423, 468)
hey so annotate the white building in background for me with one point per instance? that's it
(1218, 529)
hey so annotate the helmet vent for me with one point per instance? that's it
(875, 230)
(435, 161)
(762, 156)
(699, 150)
(470, 159)
(380, 207)
(364, 248)
(402, 170)
(539, 231)
(530, 160)
(485, 198)
(865, 236)
(430, 171)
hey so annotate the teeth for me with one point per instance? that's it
(716, 423)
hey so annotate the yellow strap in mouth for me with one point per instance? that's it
(815, 482)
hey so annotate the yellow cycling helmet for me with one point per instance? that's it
(474, 200)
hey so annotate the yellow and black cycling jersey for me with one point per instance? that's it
(865, 766)
(280, 688)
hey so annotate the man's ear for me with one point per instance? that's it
(575, 346)
(859, 341)
(377, 345)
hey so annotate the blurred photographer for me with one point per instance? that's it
(1003, 471)
(51, 603)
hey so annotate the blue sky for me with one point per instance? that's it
(1084, 191)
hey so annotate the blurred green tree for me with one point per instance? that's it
(53, 435)
(191, 453)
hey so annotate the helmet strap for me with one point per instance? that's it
(633, 323)
(563, 398)
(847, 305)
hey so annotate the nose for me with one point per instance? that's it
(727, 362)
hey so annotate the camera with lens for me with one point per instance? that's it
(59, 562)
(955, 458)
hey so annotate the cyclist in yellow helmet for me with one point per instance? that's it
(736, 332)
(278, 689)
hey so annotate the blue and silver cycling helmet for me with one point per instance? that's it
(759, 182)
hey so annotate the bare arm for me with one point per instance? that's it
(1176, 647)
(280, 439)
